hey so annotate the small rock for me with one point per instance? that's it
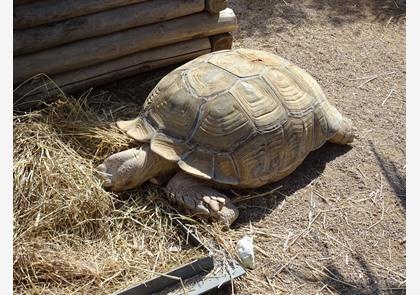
(175, 248)
(245, 251)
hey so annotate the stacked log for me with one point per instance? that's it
(80, 44)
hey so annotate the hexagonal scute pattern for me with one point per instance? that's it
(206, 80)
(264, 157)
(264, 57)
(260, 103)
(237, 64)
(297, 101)
(174, 111)
(222, 125)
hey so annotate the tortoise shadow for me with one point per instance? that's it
(395, 179)
(135, 89)
(337, 281)
(256, 209)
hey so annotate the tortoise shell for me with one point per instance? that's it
(239, 117)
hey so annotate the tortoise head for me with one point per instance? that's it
(131, 168)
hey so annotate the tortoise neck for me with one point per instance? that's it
(155, 165)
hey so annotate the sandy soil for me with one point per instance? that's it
(337, 224)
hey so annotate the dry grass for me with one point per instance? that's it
(70, 235)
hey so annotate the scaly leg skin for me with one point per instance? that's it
(345, 134)
(199, 199)
(128, 169)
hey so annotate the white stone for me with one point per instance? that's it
(245, 251)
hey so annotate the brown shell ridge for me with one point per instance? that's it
(332, 115)
(213, 95)
(291, 113)
(177, 151)
(235, 146)
(194, 162)
(214, 170)
(272, 90)
(235, 167)
(260, 130)
(200, 120)
(233, 74)
(187, 85)
(306, 81)
(196, 123)
(309, 86)
(225, 169)
(246, 114)
(320, 134)
(169, 148)
(203, 163)
(139, 129)
(243, 54)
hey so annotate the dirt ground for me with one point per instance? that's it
(337, 224)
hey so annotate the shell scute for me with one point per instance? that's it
(297, 101)
(260, 104)
(237, 64)
(207, 80)
(222, 125)
(264, 57)
(175, 111)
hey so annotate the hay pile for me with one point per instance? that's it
(70, 235)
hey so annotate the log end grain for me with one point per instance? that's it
(221, 41)
(215, 6)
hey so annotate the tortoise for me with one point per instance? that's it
(238, 118)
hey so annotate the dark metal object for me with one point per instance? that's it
(203, 265)
(200, 267)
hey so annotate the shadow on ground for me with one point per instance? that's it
(329, 275)
(395, 179)
(300, 13)
(256, 209)
(135, 89)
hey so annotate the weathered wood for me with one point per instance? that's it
(49, 11)
(31, 94)
(221, 41)
(214, 6)
(20, 2)
(93, 25)
(95, 50)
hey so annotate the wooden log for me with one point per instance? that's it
(49, 11)
(20, 2)
(95, 50)
(33, 93)
(109, 21)
(214, 6)
(221, 41)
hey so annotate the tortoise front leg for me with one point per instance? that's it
(199, 199)
(130, 168)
